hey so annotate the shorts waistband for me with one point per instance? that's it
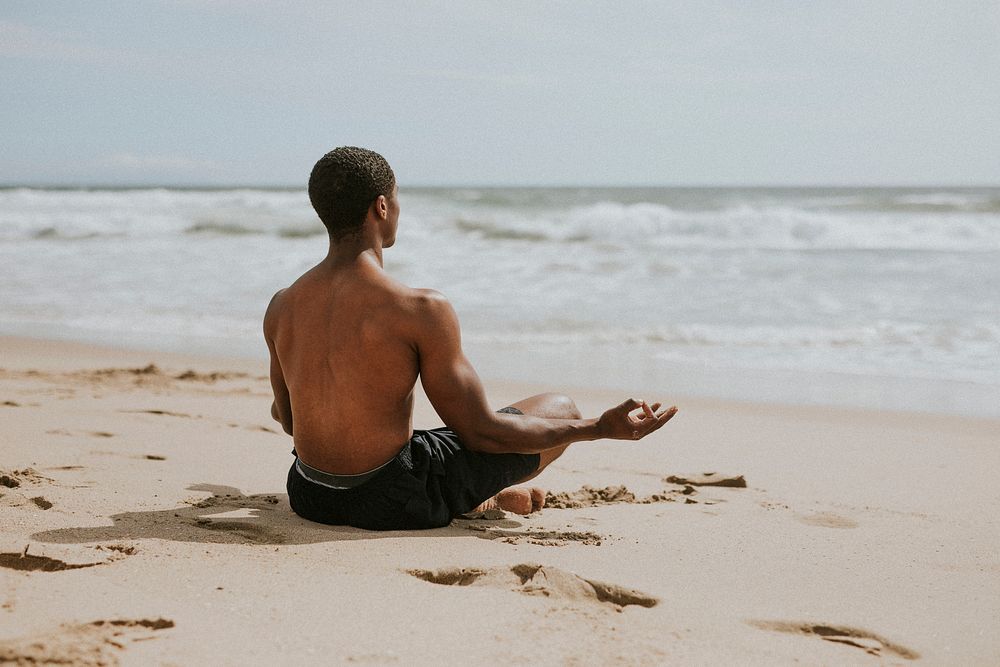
(339, 482)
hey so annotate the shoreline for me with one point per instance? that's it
(593, 368)
(157, 497)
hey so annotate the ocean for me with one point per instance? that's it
(868, 297)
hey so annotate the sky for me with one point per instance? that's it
(217, 92)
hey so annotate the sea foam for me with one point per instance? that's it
(880, 281)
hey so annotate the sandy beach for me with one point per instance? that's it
(783, 218)
(144, 521)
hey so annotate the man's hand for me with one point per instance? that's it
(619, 424)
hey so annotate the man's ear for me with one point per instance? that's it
(381, 205)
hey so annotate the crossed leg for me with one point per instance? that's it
(520, 499)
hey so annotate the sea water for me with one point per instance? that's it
(872, 297)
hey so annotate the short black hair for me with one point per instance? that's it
(343, 185)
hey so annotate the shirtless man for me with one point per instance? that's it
(347, 344)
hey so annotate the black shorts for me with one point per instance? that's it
(432, 479)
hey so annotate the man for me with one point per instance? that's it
(347, 344)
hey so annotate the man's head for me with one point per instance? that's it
(345, 183)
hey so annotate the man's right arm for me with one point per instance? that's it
(457, 394)
(281, 407)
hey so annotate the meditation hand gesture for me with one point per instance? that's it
(619, 424)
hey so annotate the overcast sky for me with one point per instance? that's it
(532, 93)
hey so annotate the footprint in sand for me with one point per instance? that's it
(19, 479)
(869, 642)
(827, 520)
(708, 479)
(20, 500)
(25, 562)
(541, 580)
(92, 643)
(12, 479)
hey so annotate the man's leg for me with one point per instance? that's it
(551, 406)
(522, 500)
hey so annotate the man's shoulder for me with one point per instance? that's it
(273, 307)
(276, 298)
(427, 298)
(427, 302)
(419, 312)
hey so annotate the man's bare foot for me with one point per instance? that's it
(537, 498)
(516, 499)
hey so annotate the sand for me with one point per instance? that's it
(143, 520)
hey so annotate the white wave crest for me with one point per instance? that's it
(157, 212)
(744, 226)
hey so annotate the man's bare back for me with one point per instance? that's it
(348, 343)
(343, 334)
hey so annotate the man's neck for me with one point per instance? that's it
(354, 250)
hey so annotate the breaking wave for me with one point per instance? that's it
(898, 280)
(762, 228)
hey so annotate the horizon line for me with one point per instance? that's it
(494, 186)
